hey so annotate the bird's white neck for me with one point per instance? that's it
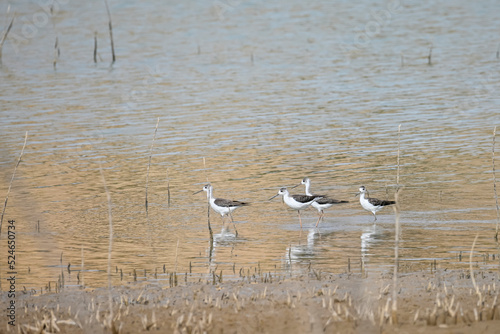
(308, 189)
(286, 194)
(210, 196)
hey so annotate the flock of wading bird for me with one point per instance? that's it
(297, 202)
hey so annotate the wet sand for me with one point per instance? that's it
(441, 301)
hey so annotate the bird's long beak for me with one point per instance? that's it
(295, 186)
(273, 197)
(357, 194)
(197, 192)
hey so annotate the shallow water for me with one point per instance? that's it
(267, 93)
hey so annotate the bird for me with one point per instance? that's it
(371, 204)
(296, 202)
(222, 206)
(321, 204)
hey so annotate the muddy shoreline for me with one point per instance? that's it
(441, 301)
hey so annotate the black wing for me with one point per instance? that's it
(380, 202)
(328, 200)
(304, 198)
(228, 203)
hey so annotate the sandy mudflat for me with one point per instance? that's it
(442, 301)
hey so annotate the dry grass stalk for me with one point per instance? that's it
(399, 151)
(110, 248)
(396, 238)
(176, 253)
(149, 164)
(12, 180)
(61, 277)
(470, 266)
(81, 269)
(495, 181)
(57, 52)
(208, 208)
(168, 190)
(4, 37)
(111, 34)
(95, 47)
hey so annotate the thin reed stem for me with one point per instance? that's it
(495, 181)
(476, 289)
(394, 319)
(168, 190)
(149, 164)
(12, 180)
(57, 52)
(110, 247)
(176, 254)
(4, 37)
(82, 270)
(208, 211)
(111, 33)
(399, 151)
(95, 47)
(396, 259)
